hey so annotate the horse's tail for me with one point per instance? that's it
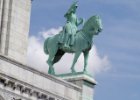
(45, 46)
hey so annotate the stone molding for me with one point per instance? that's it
(26, 91)
(57, 87)
(26, 67)
(1, 98)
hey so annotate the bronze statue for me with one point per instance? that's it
(70, 28)
(78, 41)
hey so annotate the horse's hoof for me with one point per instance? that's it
(51, 71)
(73, 71)
(85, 71)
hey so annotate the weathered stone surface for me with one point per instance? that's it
(17, 80)
(85, 81)
(14, 28)
(32, 83)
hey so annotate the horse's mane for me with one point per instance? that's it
(90, 20)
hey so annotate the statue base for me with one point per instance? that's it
(83, 80)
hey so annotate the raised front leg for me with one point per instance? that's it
(77, 54)
(86, 53)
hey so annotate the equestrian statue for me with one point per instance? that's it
(72, 40)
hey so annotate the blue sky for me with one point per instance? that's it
(119, 40)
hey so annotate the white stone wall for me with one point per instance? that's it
(54, 86)
(1, 5)
(4, 24)
(6, 95)
(15, 28)
(87, 93)
(83, 80)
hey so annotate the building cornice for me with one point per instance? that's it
(50, 77)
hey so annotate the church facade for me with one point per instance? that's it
(18, 81)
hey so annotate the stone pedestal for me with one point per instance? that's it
(85, 81)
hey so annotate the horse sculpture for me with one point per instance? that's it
(82, 44)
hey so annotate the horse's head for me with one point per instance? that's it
(93, 25)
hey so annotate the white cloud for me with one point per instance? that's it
(50, 32)
(37, 58)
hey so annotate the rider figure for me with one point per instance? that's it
(70, 28)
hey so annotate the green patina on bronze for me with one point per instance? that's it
(73, 74)
(70, 28)
(72, 40)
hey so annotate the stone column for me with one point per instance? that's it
(14, 28)
(83, 80)
(1, 5)
(3, 24)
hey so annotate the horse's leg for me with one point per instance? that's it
(53, 59)
(86, 53)
(58, 56)
(50, 63)
(52, 54)
(77, 54)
